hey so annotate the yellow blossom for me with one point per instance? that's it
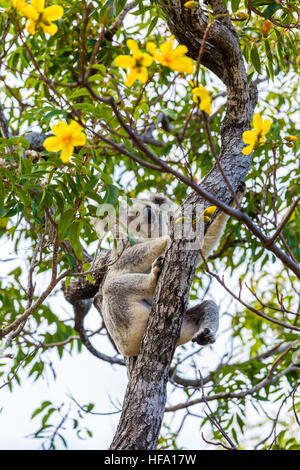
(38, 16)
(173, 58)
(65, 138)
(191, 5)
(205, 216)
(202, 97)
(137, 63)
(210, 210)
(256, 137)
(18, 3)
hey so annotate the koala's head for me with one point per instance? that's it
(144, 218)
(148, 218)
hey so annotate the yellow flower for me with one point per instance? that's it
(65, 138)
(39, 16)
(210, 210)
(191, 5)
(202, 97)
(137, 63)
(173, 58)
(257, 136)
(18, 3)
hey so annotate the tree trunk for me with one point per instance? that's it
(145, 397)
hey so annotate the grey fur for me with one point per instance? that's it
(131, 280)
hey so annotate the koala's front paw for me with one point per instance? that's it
(240, 193)
(157, 266)
(204, 337)
(241, 189)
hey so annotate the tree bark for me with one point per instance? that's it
(145, 397)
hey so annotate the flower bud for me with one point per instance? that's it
(242, 16)
(266, 27)
(290, 138)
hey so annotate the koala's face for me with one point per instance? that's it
(144, 219)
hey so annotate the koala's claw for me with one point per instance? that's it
(206, 336)
(157, 265)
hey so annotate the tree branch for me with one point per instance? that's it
(231, 395)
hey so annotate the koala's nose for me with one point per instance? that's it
(149, 214)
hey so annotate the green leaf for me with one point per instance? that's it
(59, 199)
(47, 416)
(44, 405)
(240, 422)
(96, 77)
(255, 59)
(67, 281)
(271, 10)
(64, 222)
(234, 434)
(84, 106)
(170, 112)
(26, 165)
(65, 191)
(71, 184)
(100, 67)
(54, 112)
(71, 260)
(63, 440)
(92, 183)
(235, 5)
(111, 195)
(80, 92)
(73, 236)
(152, 25)
(90, 279)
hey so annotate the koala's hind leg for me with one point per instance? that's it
(132, 287)
(200, 323)
(125, 312)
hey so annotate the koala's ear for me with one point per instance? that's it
(159, 199)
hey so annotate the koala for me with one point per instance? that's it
(129, 286)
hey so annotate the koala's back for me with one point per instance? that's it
(124, 316)
(129, 284)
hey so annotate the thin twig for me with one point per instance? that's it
(119, 20)
(213, 419)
